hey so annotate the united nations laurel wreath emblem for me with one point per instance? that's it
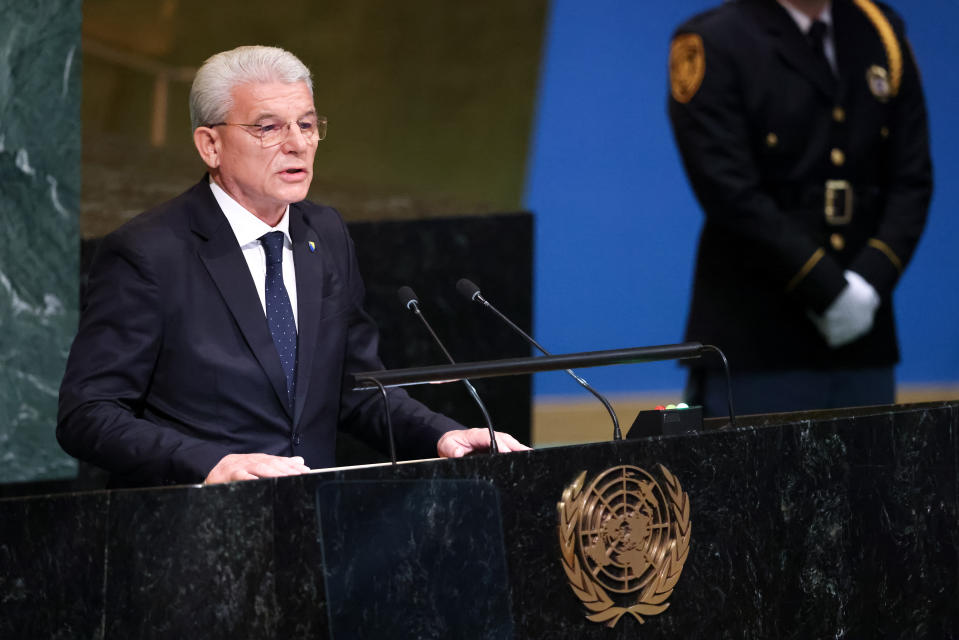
(624, 541)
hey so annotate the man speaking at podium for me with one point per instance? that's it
(219, 327)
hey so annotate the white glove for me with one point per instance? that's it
(851, 314)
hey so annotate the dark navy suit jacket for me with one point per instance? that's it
(174, 367)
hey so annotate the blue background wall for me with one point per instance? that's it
(617, 223)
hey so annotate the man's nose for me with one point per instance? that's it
(295, 139)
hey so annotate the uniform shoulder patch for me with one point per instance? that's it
(687, 66)
(891, 81)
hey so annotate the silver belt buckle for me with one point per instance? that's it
(834, 190)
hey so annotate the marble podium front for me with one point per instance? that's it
(839, 524)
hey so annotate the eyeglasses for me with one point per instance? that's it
(272, 132)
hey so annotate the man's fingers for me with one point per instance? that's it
(250, 466)
(458, 443)
(275, 466)
(451, 445)
(506, 442)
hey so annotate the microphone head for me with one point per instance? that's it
(407, 297)
(467, 289)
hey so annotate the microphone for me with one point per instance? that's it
(409, 300)
(470, 291)
(389, 421)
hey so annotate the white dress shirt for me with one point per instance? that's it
(248, 230)
(804, 22)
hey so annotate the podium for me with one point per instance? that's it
(806, 525)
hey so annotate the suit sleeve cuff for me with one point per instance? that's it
(818, 282)
(879, 264)
(195, 466)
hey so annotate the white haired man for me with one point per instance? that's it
(219, 326)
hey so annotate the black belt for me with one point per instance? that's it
(837, 199)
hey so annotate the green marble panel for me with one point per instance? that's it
(39, 243)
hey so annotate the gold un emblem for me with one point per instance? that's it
(624, 541)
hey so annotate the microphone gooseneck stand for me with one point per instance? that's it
(409, 300)
(470, 291)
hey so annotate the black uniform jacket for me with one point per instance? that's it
(174, 365)
(801, 174)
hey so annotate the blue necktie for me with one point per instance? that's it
(279, 311)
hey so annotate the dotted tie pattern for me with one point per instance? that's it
(279, 311)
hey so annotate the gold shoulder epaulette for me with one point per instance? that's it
(889, 41)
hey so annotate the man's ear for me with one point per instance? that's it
(207, 143)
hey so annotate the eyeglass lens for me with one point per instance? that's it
(274, 132)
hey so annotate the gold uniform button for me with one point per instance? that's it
(837, 241)
(884, 132)
(839, 114)
(771, 139)
(837, 157)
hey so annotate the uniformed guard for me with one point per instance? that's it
(802, 128)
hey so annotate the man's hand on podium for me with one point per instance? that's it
(250, 466)
(459, 442)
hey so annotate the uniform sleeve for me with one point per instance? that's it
(108, 374)
(907, 183)
(710, 124)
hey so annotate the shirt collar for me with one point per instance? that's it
(803, 21)
(247, 227)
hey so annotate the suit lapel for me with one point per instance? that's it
(223, 259)
(792, 47)
(310, 276)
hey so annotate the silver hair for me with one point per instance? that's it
(211, 96)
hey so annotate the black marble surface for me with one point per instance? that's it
(52, 565)
(818, 525)
(191, 564)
